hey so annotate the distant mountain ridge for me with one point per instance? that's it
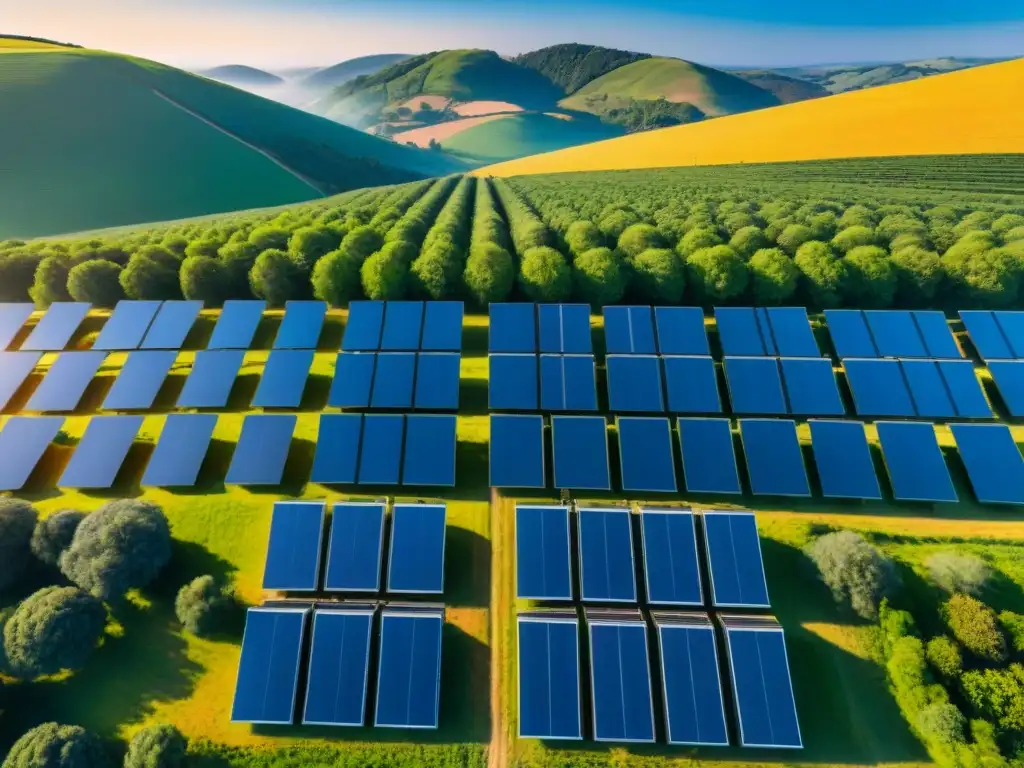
(239, 74)
(840, 78)
(339, 74)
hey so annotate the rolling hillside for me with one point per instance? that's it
(786, 89)
(899, 120)
(571, 66)
(854, 77)
(339, 74)
(242, 76)
(520, 135)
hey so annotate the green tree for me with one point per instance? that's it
(793, 236)
(361, 243)
(385, 274)
(944, 656)
(276, 278)
(957, 572)
(582, 236)
(97, 282)
(202, 606)
(637, 238)
(203, 278)
(490, 273)
(823, 275)
(544, 275)
(748, 241)
(336, 278)
(17, 523)
(696, 239)
(989, 278)
(919, 276)
(598, 277)
(157, 746)
(853, 237)
(1006, 222)
(238, 259)
(160, 254)
(270, 237)
(773, 276)
(17, 274)
(871, 277)
(660, 276)
(176, 244)
(857, 574)
(52, 745)
(941, 721)
(308, 245)
(998, 694)
(1012, 625)
(56, 628)
(52, 535)
(145, 278)
(616, 222)
(857, 216)
(51, 281)
(717, 274)
(974, 625)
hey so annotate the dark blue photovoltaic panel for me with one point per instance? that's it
(764, 326)
(172, 325)
(409, 674)
(1009, 378)
(791, 332)
(895, 333)
(692, 385)
(607, 570)
(55, 329)
(843, 458)
(936, 333)
(986, 335)
(709, 457)
(774, 460)
(513, 328)
(964, 388)
(363, 328)
(442, 327)
(739, 332)
(762, 688)
(927, 389)
(734, 560)
(645, 454)
(416, 557)
(565, 328)
(66, 381)
(180, 451)
(568, 383)
(543, 567)
(261, 451)
(101, 452)
(878, 388)
(293, 552)
(581, 453)
(23, 440)
(512, 382)
(353, 379)
(12, 318)
(755, 385)
(517, 451)
(337, 448)
(212, 378)
(355, 552)
(429, 450)
(237, 324)
(549, 678)
(268, 671)
(620, 674)
(850, 334)
(811, 386)
(1011, 324)
(339, 664)
(301, 326)
(694, 712)
(629, 331)
(671, 572)
(437, 381)
(634, 383)
(681, 331)
(403, 324)
(380, 456)
(126, 325)
(914, 462)
(393, 381)
(284, 379)
(993, 462)
(15, 368)
(140, 379)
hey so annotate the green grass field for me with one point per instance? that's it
(526, 134)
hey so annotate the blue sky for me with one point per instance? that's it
(285, 33)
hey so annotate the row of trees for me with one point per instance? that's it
(52, 745)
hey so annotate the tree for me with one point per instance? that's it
(582, 236)
(857, 216)
(616, 222)
(145, 278)
(748, 241)
(717, 274)
(919, 275)
(53, 535)
(871, 277)
(598, 277)
(122, 545)
(175, 244)
(998, 694)
(52, 745)
(857, 574)
(793, 236)
(97, 282)
(660, 276)
(956, 572)
(696, 239)
(54, 629)
(490, 273)
(203, 278)
(51, 281)
(275, 277)
(544, 275)
(944, 656)
(637, 238)
(202, 605)
(773, 276)
(823, 275)
(270, 237)
(943, 722)
(17, 523)
(158, 746)
(309, 244)
(237, 259)
(361, 242)
(385, 274)
(987, 278)
(17, 274)
(336, 278)
(853, 237)
(974, 625)
(1007, 222)
(1013, 627)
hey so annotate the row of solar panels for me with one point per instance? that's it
(773, 456)
(377, 449)
(671, 563)
(624, 679)
(415, 563)
(340, 656)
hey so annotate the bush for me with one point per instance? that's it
(51, 281)
(269, 237)
(52, 745)
(717, 274)
(985, 278)
(955, 572)
(638, 238)
(97, 282)
(384, 275)
(158, 746)
(853, 237)
(998, 694)
(202, 279)
(122, 545)
(919, 275)
(54, 629)
(857, 573)
(361, 242)
(748, 241)
(202, 606)
(942, 722)
(1012, 625)
(490, 273)
(17, 524)
(857, 216)
(793, 236)
(773, 276)
(598, 277)
(53, 535)
(544, 275)
(308, 245)
(276, 277)
(696, 239)
(660, 276)
(583, 236)
(974, 625)
(944, 656)
(17, 274)
(871, 277)
(337, 278)
(616, 222)
(149, 278)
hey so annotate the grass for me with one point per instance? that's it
(525, 134)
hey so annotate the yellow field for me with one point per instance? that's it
(960, 113)
(22, 45)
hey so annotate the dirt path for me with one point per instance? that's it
(501, 607)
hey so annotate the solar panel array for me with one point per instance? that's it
(761, 331)
(891, 333)
(396, 380)
(995, 335)
(933, 389)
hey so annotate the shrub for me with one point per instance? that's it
(238, 259)
(17, 523)
(871, 277)
(490, 273)
(983, 278)
(919, 275)
(544, 275)
(942, 722)
(275, 277)
(384, 275)
(1013, 235)
(598, 277)
(908, 672)
(1012, 625)
(158, 746)
(638, 238)
(269, 237)
(202, 278)
(974, 625)
(857, 216)
(52, 745)
(748, 241)
(998, 694)
(582, 236)
(53, 535)
(717, 274)
(151, 278)
(51, 281)
(773, 276)
(616, 222)
(696, 239)
(1007, 222)
(361, 242)
(201, 606)
(17, 274)
(660, 276)
(956, 572)
(823, 275)
(308, 245)
(857, 573)
(54, 629)
(944, 656)
(97, 282)
(793, 236)
(853, 237)
(337, 279)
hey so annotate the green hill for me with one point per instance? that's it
(519, 135)
(241, 75)
(339, 74)
(785, 89)
(855, 77)
(91, 140)
(571, 66)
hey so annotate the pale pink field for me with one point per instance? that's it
(421, 136)
(477, 108)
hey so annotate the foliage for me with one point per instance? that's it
(572, 65)
(51, 280)
(999, 695)
(1012, 625)
(152, 274)
(871, 277)
(982, 277)
(544, 275)
(17, 523)
(853, 237)
(203, 278)
(793, 236)
(717, 274)
(697, 239)
(490, 273)
(974, 626)
(943, 722)
(749, 240)
(958, 572)
(158, 746)
(275, 277)
(857, 573)
(201, 605)
(944, 656)
(437, 272)
(337, 278)
(617, 221)
(919, 275)
(385, 274)
(52, 745)
(647, 114)
(598, 277)
(54, 629)
(823, 275)
(307, 245)
(17, 274)
(53, 535)
(97, 282)
(773, 276)
(660, 276)
(637, 238)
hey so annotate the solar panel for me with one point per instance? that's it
(986, 335)
(363, 328)
(549, 676)
(237, 324)
(355, 551)
(337, 448)
(634, 383)
(180, 451)
(734, 560)
(671, 571)
(517, 451)
(172, 325)
(914, 462)
(442, 326)
(878, 388)
(691, 689)
(543, 555)
(607, 569)
(262, 450)
(211, 379)
(416, 556)
(140, 380)
(403, 325)
(512, 382)
(755, 385)
(513, 328)
(895, 333)
(268, 670)
(843, 458)
(15, 368)
(1012, 326)
(620, 678)
(284, 379)
(339, 665)
(964, 389)
(681, 331)
(127, 325)
(629, 331)
(774, 460)
(12, 318)
(811, 386)
(764, 327)
(1009, 378)
(409, 673)
(927, 389)
(993, 461)
(645, 454)
(564, 328)
(568, 383)
(692, 385)
(101, 452)
(394, 379)
(762, 689)
(739, 332)
(429, 450)
(55, 329)
(380, 455)
(66, 381)
(23, 441)
(301, 326)
(936, 334)
(353, 380)
(293, 550)
(581, 452)
(790, 330)
(437, 381)
(709, 457)
(850, 334)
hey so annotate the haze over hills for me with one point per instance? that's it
(242, 76)
(839, 78)
(339, 74)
